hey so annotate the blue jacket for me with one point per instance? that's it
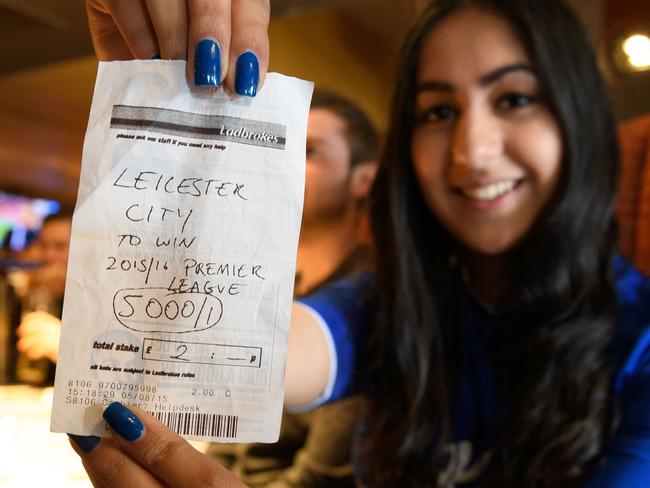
(479, 404)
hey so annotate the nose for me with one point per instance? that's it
(477, 140)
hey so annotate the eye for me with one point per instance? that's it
(515, 100)
(437, 113)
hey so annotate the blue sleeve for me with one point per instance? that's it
(344, 310)
(627, 461)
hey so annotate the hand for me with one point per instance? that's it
(222, 40)
(144, 453)
(39, 336)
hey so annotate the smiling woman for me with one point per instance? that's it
(499, 179)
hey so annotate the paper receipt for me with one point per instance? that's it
(182, 257)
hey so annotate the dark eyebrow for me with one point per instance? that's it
(504, 70)
(435, 85)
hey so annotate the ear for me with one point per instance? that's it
(362, 176)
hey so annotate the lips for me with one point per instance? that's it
(492, 191)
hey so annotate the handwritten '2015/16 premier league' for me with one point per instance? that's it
(182, 256)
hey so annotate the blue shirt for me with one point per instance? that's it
(479, 403)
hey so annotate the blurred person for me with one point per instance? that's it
(53, 245)
(40, 326)
(314, 448)
(15, 269)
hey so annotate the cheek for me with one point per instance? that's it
(541, 142)
(315, 178)
(324, 184)
(427, 156)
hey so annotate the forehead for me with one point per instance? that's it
(467, 45)
(323, 120)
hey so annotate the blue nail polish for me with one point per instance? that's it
(207, 63)
(247, 74)
(123, 421)
(86, 442)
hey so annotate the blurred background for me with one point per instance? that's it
(47, 72)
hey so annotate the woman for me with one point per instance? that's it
(505, 343)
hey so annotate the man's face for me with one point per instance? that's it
(327, 194)
(54, 242)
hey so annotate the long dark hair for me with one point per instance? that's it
(560, 328)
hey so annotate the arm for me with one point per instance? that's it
(627, 460)
(309, 373)
(143, 449)
(308, 359)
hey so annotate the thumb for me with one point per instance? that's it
(162, 452)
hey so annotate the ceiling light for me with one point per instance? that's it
(637, 51)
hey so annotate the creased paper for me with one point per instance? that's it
(182, 256)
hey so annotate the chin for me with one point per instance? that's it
(490, 247)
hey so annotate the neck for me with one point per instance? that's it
(489, 278)
(322, 248)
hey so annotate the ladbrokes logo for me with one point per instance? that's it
(243, 133)
(200, 126)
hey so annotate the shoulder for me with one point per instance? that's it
(343, 310)
(632, 286)
(348, 299)
(627, 460)
(631, 342)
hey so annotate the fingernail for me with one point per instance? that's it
(207, 63)
(86, 442)
(247, 74)
(155, 56)
(123, 421)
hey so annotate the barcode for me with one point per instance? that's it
(201, 424)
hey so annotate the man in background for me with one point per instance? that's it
(42, 305)
(314, 448)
